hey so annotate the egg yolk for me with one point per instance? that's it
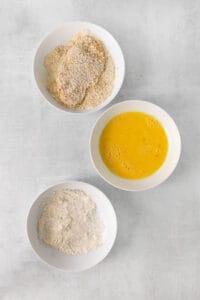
(133, 145)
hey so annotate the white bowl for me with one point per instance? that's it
(58, 259)
(61, 36)
(173, 152)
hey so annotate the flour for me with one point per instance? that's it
(70, 223)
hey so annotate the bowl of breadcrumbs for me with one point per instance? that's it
(79, 67)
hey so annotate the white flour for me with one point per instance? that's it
(69, 222)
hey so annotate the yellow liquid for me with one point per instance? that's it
(133, 145)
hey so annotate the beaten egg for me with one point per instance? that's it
(133, 145)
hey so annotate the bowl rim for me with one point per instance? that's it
(118, 186)
(65, 109)
(60, 184)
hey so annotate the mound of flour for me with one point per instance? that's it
(70, 223)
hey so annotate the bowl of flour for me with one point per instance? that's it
(72, 226)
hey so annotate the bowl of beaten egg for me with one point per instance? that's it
(135, 145)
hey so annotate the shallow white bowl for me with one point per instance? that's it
(173, 152)
(61, 36)
(56, 258)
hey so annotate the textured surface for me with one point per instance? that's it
(156, 255)
(70, 223)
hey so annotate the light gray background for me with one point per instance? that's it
(156, 255)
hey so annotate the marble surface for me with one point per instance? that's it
(156, 254)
